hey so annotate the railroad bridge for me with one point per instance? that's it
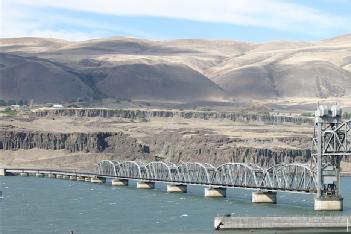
(320, 176)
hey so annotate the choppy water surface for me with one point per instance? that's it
(43, 205)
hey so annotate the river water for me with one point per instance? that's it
(43, 205)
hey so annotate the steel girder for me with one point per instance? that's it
(293, 177)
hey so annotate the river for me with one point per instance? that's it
(42, 205)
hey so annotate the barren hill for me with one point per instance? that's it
(179, 70)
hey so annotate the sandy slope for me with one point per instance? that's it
(189, 69)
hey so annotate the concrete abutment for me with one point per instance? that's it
(264, 197)
(145, 185)
(328, 204)
(176, 188)
(215, 192)
(87, 179)
(96, 180)
(39, 174)
(51, 175)
(80, 178)
(119, 182)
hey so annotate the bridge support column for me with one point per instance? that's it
(39, 174)
(87, 179)
(145, 185)
(51, 175)
(176, 188)
(73, 177)
(65, 177)
(59, 176)
(264, 197)
(96, 180)
(119, 182)
(215, 192)
(2, 172)
(80, 178)
(23, 174)
(328, 204)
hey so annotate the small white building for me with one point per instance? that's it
(57, 106)
(15, 106)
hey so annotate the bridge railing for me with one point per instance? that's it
(293, 177)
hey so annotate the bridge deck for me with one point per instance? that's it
(17, 171)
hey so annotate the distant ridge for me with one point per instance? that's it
(48, 70)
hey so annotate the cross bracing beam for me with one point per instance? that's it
(336, 140)
(292, 177)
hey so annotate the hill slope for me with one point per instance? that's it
(182, 70)
(30, 79)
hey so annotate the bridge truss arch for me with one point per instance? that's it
(292, 176)
(132, 169)
(162, 171)
(107, 167)
(196, 173)
(237, 174)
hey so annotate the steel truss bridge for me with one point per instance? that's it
(283, 177)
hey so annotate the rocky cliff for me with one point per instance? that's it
(265, 117)
(97, 142)
(174, 147)
(216, 149)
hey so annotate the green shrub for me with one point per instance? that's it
(9, 111)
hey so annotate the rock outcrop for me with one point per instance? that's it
(216, 149)
(96, 142)
(265, 117)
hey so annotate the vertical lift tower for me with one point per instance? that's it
(331, 142)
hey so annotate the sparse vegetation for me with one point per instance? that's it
(307, 114)
(347, 115)
(9, 111)
(13, 102)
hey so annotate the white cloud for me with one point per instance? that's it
(20, 19)
(265, 13)
(272, 14)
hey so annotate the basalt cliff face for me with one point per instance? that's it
(96, 142)
(216, 149)
(171, 135)
(148, 114)
(173, 147)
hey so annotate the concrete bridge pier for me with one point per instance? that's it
(176, 188)
(80, 178)
(96, 180)
(2, 172)
(87, 179)
(328, 204)
(264, 197)
(119, 182)
(65, 177)
(215, 192)
(145, 184)
(73, 177)
(51, 175)
(39, 174)
(59, 176)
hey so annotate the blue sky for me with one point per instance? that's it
(254, 20)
